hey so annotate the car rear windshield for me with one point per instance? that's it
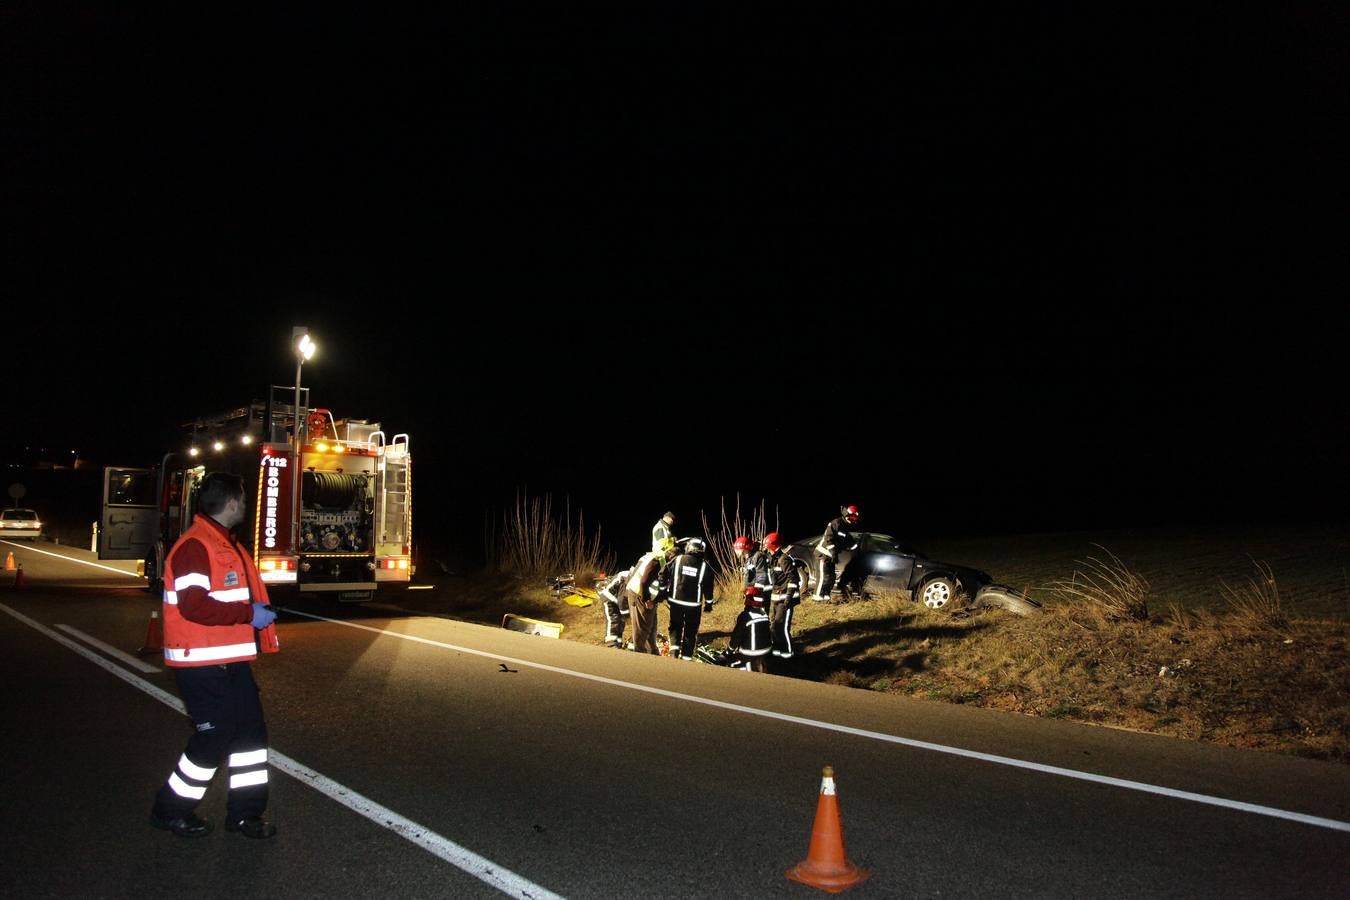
(25, 514)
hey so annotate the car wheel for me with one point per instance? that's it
(936, 593)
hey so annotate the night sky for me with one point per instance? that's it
(972, 269)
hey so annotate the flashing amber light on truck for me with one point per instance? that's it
(273, 570)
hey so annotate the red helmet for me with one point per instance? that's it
(772, 542)
(850, 512)
(743, 544)
(753, 596)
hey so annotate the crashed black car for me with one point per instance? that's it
(883, 563)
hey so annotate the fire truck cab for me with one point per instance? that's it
(330, 499)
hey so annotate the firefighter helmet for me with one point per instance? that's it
(850, 512)
(695, 545)
(743, 544)
(772, 542)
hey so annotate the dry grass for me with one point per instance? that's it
(1231, 666)
(1108, 586)
(754, 524)
(1256, 604)
(534, 545)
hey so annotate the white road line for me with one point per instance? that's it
(74, 560)
(484, 870)
(1144, 787)
(109, 649)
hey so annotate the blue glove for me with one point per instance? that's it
(263, 615)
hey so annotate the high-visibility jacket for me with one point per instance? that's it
(662, 538)
(232, 579)
(642, 577)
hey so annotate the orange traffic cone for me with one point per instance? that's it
(19, 580)
(9, 562)
(827, 865)
(154, 635)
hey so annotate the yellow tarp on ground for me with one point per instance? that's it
(579, 599)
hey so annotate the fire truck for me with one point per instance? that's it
(330, 499)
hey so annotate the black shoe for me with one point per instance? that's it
(183, 826)
(253, 827)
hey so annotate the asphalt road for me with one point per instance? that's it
(418, 756)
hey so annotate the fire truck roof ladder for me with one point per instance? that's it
(281, 416)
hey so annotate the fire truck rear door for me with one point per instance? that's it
(130, 520)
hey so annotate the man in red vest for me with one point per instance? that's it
(216, 615)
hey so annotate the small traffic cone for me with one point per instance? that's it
(9, 562)
(19, 580)
(827, 865)
(154, 635)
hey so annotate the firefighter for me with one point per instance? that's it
(644, 592)
(688, 586)
(836, 546)
(216, 614)
(743, 548)
(614, 604)
(786, 573)
(759, 571)
(661, 532)
(751, 639)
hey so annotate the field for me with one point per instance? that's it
(1186, 567)
(1245, 639)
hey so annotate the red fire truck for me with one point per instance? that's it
(330, 499)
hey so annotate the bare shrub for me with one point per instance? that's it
(1256, 604)
(534, 545)
(730, 581)
(1108, 586)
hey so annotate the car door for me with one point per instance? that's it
(885, 561)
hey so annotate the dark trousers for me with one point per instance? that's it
(824, 575)
(781, 618)
(684, 621)
(614, 621)
(227, 720)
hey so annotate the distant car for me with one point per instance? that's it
(882, 562)
(20, 523)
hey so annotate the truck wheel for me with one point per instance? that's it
(936, 593)
(154, 568)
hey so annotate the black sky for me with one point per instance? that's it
(1049, 258)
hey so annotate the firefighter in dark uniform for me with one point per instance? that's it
(743, 548)
(752, 639)
(614, 603)
(759, 572)
(688, 585)
(216, 617)
(786, 574)
(836, 547)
